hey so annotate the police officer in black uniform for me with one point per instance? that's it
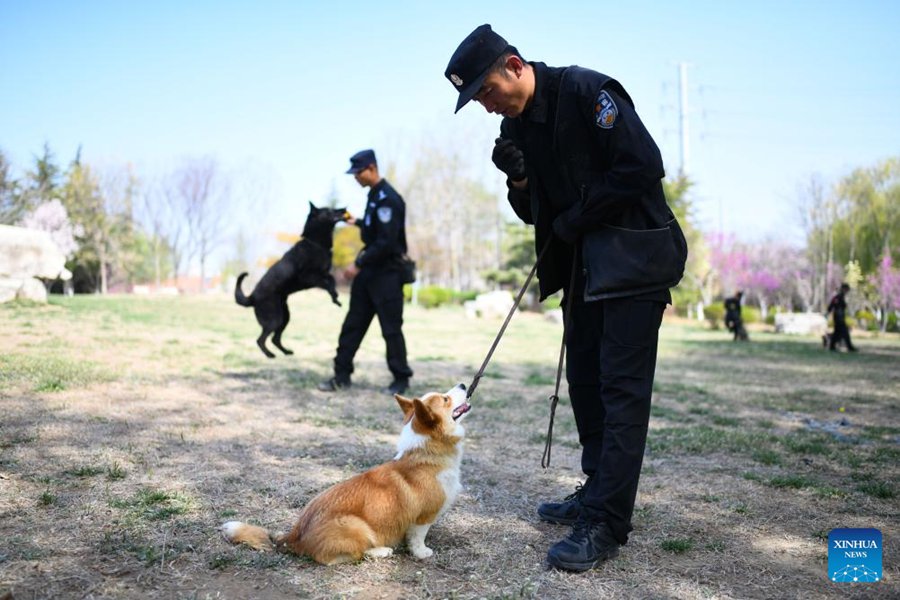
(838, 310)
(578, 158)
(733, 319)
(377, 288)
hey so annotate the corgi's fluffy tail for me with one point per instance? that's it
(251, 535)
(239, 296)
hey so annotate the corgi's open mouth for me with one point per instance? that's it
(461, 410)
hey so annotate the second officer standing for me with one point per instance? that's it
(377, 288)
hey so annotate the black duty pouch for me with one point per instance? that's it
(407, 268)
(624, 262)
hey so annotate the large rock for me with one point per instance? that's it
(26, 254)
(490, 305)
(800, 323)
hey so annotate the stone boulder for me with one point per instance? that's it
(490, 305)
(27, 255)
(801, 323)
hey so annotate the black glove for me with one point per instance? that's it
(509, 159)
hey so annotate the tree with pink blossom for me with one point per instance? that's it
(52, 217)
(886, 283)
(729, 261)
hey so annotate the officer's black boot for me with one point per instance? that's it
(398, 386)
(589, 544)
(567, 511)
(334, 384)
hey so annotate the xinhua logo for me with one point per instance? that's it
(854, 555)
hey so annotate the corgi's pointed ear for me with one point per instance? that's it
(406, 405)
(424, 414)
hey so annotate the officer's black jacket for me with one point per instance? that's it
(383, 227)
(732, 308)
(838, 306)
(580, 173)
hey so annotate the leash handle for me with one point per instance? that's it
(545, 459)
(554, 398)
(515, 305)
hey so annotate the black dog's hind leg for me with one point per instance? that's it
(276, 339)
(261, 342)
(268, 320)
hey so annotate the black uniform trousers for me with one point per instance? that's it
(610, 363)
(735, 325)
(841, 334)
(374, 291)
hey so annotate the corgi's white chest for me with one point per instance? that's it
(450, 482)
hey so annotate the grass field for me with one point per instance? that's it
(130, 428)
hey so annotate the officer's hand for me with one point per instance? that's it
(563, 231)
(509, 159)
(351, 271)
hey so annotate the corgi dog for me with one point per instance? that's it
(371, 513)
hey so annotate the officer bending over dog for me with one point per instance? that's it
(578, 160)
(377, 287)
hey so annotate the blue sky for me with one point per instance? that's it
(778, 91)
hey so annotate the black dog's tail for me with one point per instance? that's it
(239, 296)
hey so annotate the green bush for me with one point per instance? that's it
(432, 296)
(770, 315)
(751, 314)
(463, 297)
(892, 322)
(714, 314)
(552, 302)
(866, 320)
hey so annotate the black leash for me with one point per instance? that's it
(515, 305)
(554, 398)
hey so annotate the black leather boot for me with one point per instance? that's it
(334, 384)
(567, 511)
(589, 544)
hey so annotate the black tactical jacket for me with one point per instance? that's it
(383, 227)
(590, 161)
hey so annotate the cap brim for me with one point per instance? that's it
(352, 171)
(468, 92)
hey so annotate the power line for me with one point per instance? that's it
(683, 130)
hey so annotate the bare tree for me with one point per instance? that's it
(198, 196)
(152, 212)
(119, 186)
(818, 213)
(451, 219)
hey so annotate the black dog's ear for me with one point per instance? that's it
(312, 207)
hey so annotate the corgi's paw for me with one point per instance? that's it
(380, 552)
(422, 552)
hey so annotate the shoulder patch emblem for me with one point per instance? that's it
(605, 111)
(381, 195)
(385, 214)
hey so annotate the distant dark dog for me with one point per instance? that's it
(306, 265)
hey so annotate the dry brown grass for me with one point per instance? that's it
(131, 428)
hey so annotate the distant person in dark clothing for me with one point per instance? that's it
(733, 319)
(837, 308)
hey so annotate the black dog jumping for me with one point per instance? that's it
(306, 265)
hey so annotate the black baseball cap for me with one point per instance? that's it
(470, 63)
(361, 160)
